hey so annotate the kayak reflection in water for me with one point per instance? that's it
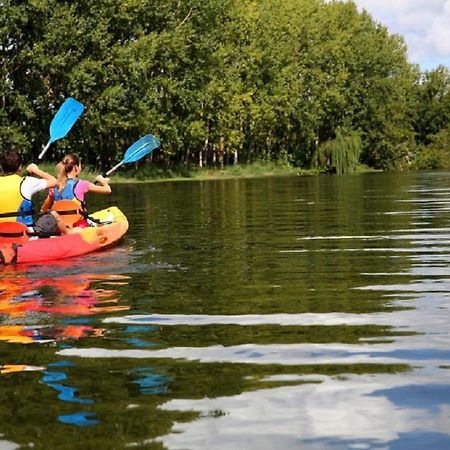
(65, 296)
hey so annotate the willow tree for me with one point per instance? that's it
(340, 154)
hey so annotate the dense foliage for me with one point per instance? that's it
(218, 81)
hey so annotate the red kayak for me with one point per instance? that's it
(112, 225)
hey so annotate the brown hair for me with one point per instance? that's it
(64, 167)
(10, 162)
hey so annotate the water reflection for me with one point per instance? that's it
(360, 413)
(57, 309)
(291, 313)
(39, 310)
(407, 411)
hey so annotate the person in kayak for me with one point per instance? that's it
(67, 198)
(16, 194)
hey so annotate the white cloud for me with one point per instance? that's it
(425, 25)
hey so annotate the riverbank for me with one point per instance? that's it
(148, 174)
(183, 173)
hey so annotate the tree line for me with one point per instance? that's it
(303, 82)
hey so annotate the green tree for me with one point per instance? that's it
(433, 104)
(219, 81)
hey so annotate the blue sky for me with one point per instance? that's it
(424, 24)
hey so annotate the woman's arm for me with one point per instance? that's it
(102, 188)
(50, 179)
(48, 202)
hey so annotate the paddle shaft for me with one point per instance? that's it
(113, 169)
(44, 150)
(107, 174)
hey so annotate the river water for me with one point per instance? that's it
(274, 313)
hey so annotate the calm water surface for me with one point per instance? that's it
(278, 313)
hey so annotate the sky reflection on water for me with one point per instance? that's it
(291, 313)
(360, 412)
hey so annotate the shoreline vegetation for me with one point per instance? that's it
(314, 84)
(184, 173)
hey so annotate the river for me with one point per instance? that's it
(291, 312)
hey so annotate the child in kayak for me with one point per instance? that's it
(16, 194)
(67, 198)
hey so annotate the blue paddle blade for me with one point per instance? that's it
(64, 119)
(141, 148)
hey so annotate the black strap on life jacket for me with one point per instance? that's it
(18, 213)
(11, 235)
(68, 212)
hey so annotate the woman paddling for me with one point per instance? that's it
(67, 198)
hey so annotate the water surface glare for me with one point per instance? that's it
(299, 312)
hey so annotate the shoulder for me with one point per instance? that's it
(31, 185)
(83, 185)
(81, 188)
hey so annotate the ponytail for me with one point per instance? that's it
(64, 167)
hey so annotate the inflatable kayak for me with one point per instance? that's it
(111, 225)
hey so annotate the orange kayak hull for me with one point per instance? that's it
(80, 241)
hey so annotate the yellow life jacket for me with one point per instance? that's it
(13, 206)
